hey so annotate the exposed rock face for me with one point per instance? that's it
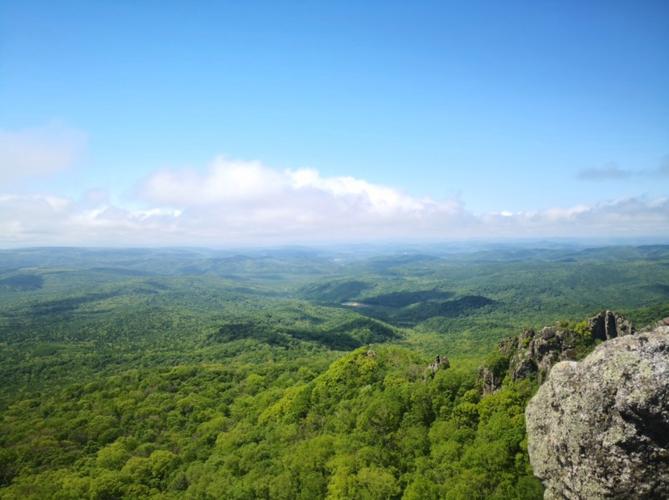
(536, 353)
(542, 351)
(609, 325)
(599, 428)
(490, 381)
(440, 362)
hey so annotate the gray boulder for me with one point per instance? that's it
(599, 428)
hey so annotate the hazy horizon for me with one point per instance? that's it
(380, 247)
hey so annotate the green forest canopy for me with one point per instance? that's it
(179, 374)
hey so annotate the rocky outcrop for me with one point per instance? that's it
(535, 353)
(493, 372)
(490, 381)
(609, 325)
(599, 428)
(440, 362)
(538, 352)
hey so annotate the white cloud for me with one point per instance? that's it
(379, 199)
(230, 182)
(241, 203)
(38, 151)
(247, 199)
(226, 181)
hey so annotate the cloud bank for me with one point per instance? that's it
(247, 203)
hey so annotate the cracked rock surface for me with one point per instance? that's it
(599, 428)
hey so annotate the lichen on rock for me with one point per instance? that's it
(599, 428)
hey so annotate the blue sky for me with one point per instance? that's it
(467, 108)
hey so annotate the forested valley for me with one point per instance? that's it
(287, 373)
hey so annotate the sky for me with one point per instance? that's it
(281, 122)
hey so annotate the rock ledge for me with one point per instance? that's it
(599, 428)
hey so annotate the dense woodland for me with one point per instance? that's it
(285, 374)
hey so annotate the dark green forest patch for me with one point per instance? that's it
(366, 330)
(65, 306)
(255, 330)
(421, 311)
(344, 336)
(660, 288)
(120, 271)
(463, 305)
(335, 291)
(192, 270)
(402, 299)
(23, 282)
